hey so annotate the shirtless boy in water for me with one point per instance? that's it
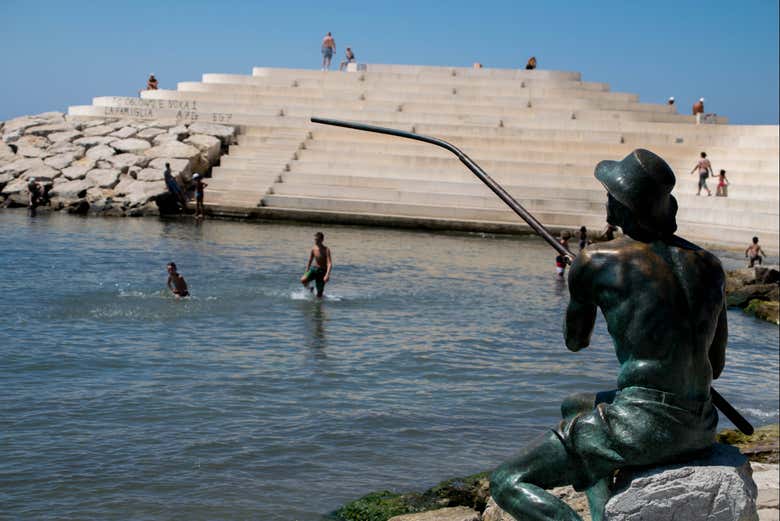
(320, 272)
(176, 282)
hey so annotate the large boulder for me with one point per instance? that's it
(124, 186)
(91, 141)
(41, 174)
(141, 193)
(179, 167)
(32, 146)
(71, 190)
(715, 487)
(100, 130)
(79, 168)
(103, 178)
(6, 153)
(63, 147)
(173, 149)
(125, 161)
(209, 146)
(20, 124)
(768, 310)
(6, 178)
(223, 132)
(742, 296)
(161, 139)
(150, 174)
(177, 150)
(61, 161)
(67, 136)
(124, 132)
(132, 145)
(150, 133)
(46, 129)
(16, 186)
(21, 165)
(100, 152)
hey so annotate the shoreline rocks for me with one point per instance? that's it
(756, 291)
(460, 498)
(85, 164)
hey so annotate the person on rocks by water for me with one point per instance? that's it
(663, 299)
(37, 194)
(320, 272)
(176, 282)
(754, 253)
(173, 188)
(200, 186)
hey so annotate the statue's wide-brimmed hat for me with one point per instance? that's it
(643, 182)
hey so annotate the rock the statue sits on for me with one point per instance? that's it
(715, 487)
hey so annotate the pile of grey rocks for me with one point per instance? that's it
(104, 166)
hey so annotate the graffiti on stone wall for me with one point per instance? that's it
(185, 111)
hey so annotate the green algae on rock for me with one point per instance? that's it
(763, 446)
(470, 491)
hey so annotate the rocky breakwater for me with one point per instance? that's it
(756, 290)
(104, 166)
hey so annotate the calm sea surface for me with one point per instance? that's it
(432, 356)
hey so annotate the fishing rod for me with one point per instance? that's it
(717, 400)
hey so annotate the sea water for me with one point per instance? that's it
(431, 356)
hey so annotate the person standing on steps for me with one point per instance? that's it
(328, 48)
(698, 110)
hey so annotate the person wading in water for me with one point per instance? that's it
(320, 272)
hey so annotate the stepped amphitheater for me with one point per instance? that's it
(539, 133)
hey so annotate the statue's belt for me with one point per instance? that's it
(654, 395)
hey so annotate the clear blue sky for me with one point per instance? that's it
(60, 53)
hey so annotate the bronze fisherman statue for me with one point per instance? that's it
(663, 301)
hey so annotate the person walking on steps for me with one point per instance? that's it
(704, 167)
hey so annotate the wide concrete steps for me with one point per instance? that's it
(511, 153)
(566, 188)
(697, 232)
(533, 166)
(457, 101)
(551, 201)
(239, 187)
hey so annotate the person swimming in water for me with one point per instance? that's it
(176, 282)
(320, 272)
